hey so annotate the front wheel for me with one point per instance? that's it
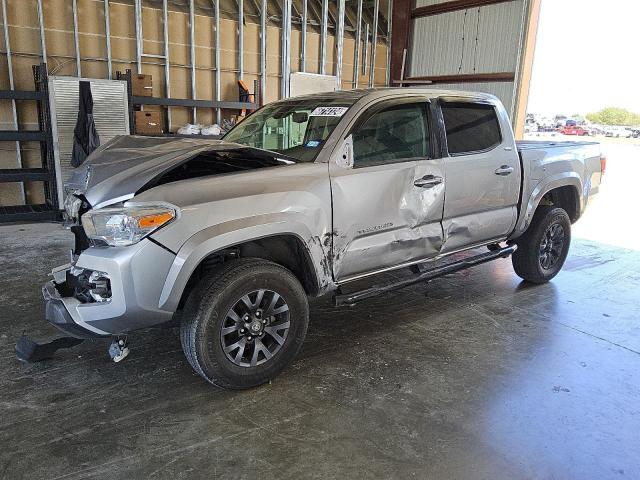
(543, 248)
(244, 323)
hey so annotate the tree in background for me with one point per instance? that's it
(614, 116)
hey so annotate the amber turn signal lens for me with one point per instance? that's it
(152, 221)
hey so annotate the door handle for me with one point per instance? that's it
(504, 170)
(428, 181)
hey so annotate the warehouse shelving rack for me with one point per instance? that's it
(47, 172)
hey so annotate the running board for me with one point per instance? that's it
(350, 299)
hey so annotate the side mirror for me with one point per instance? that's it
(300, 117)
(345, 156)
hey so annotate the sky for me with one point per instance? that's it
(587, 57)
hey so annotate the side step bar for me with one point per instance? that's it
(350, 299)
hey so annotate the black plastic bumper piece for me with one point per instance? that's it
(29, 351)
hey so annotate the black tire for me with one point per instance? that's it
(531, 260)
(209, 308)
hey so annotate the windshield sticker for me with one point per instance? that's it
(313, 143)
(328, 111)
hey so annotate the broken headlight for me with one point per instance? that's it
(126, 225)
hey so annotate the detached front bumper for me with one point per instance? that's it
(136, 274)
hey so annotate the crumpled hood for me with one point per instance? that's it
(122, 166)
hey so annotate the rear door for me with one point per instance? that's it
(482, 171)
(387, 208)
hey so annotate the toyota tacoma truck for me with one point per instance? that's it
(301, 199)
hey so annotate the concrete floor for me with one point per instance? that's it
(474, 376)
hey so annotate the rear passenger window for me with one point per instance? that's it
(395, 133)
(470, 127)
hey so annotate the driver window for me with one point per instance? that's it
(396, 133)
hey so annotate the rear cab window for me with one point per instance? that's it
(470, 127)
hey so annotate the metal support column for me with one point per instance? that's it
(107, 32)
(74, 6)
(137, 13)
(365, 51)
(192, 49)
(216, 39)
(303, 38)
(286, 48)
(339, 44)
(43, 40)
(356, 51)
(240, 39)
(374, 43)
(389, 32)
(14, 109)
(263, 51)
(167, 66)
(323, 35)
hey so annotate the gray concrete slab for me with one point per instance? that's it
(475, 375)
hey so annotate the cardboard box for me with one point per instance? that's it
(148, 123)
(141, 85)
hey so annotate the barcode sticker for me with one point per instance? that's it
(329, 111)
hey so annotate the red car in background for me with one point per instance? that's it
(574, 130)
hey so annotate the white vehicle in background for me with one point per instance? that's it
(618, 132)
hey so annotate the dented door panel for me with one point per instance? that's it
(381, 219)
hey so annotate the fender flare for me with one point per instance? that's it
(564, 179)
(227, 234)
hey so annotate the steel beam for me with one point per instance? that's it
(323, 36)
(286, 48)
(43, 40)
(192, 50)
(14, 109)
(167, 65)
(107, 33)
(389, 36)
(374, 43)
(303, 37)
(216, 39)
(365, 52)
(358, 41)
(339, 44)
(240, 39)
(263, 51)
(74, 6)
(137, 14)
(188, 102)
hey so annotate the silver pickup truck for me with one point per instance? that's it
(301, 199)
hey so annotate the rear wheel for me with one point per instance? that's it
(543, 248)
(244, 323)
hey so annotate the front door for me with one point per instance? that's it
(483, 175)
(387, 208)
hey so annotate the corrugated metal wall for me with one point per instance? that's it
(478, 40)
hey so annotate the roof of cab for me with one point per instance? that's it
(357, 94)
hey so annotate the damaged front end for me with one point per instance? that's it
(70, 287)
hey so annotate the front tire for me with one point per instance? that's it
(244, 323)
(543, 248)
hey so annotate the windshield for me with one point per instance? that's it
(295, 128)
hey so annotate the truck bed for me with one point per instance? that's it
(538, 144)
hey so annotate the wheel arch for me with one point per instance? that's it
(563, 190)
(306, 259)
